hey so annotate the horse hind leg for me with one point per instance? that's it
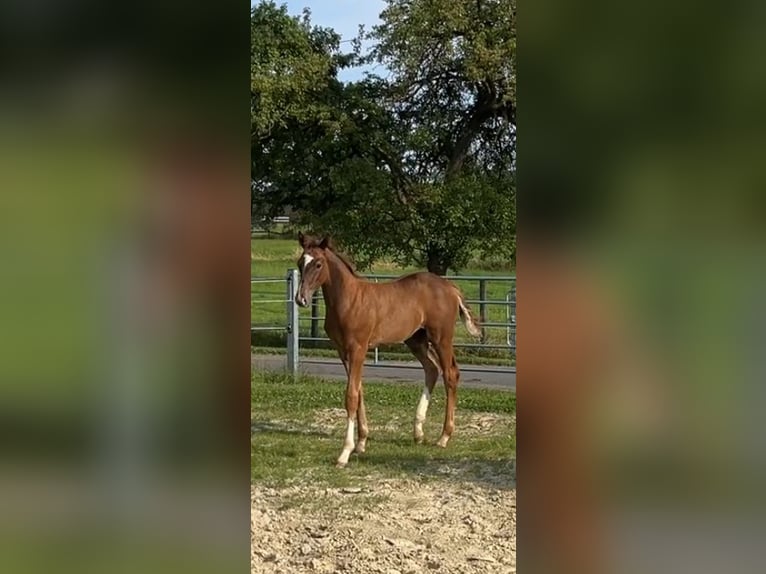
(451, 374)
(419, 346)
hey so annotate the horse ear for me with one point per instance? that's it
(325, 243)
(301, 239)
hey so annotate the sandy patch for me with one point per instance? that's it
(392, 527)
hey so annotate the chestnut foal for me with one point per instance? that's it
(417, 309)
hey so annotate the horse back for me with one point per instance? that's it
(427, 289)
(424, 279)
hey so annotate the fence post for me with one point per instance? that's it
(510, 319)
(375, 360)
(293, 331)
(315, 315)
(483, 308)
(513, 315)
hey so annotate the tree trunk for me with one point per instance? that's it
(436, 263)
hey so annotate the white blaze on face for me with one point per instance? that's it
(306, 260)
(420, 414)
(348, 445)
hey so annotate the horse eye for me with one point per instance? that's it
(319, 264)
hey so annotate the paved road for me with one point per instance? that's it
(476, 376)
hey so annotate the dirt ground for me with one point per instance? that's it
(396, 526)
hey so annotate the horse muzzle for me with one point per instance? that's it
(302, 299)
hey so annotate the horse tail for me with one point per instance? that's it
(468, 318)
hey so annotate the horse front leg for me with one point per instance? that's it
(355, 359)
(361, 413)
(361, 423)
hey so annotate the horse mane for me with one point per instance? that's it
(346, 261)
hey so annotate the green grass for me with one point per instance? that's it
(296, 438)
(273, 257)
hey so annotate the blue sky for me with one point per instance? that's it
(344, 16)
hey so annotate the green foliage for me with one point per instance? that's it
(453, 82)
(419, 166)
(291, 63)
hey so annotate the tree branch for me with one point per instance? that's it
(402, 181)
(484, 110)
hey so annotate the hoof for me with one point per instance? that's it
(442, 442)
(419, 439)
(359, 450)
(340, 465)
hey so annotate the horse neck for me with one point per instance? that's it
(340, 284)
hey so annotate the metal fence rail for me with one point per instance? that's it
(293, 319)
(291, 326)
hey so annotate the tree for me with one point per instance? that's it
(418, 166)
(290, 64)
(293, 73)
(453, 86)
(453, 82)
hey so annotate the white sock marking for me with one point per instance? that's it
(420, 414)
(348, 445)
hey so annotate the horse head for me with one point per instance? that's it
(313, 266)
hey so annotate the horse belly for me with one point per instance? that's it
(395, 331)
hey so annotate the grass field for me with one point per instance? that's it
(298, 427)
(273, 257)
